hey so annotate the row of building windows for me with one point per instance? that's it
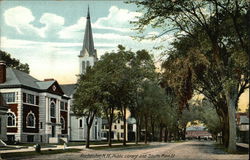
(63, 106)
(9, 97)
(31, 99)
(104, 126)
(30, 120)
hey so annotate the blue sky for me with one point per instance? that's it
(48, 35)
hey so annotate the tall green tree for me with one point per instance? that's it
(150, 102)
(14, 63)
(223, 23)
(88, 100)
(115, 81)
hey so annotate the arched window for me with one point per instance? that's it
(11, 119)
(63, 123)
(52, 109)
(31, 120)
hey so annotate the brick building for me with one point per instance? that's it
(37, 110)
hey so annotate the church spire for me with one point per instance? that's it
(88, 43)
(88, 16)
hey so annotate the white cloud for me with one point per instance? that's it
(72, 32)
(110, 36)
(53, 24)
(16, 43)
(21, 19)
(117, 18)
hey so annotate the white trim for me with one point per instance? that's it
(9, 111)
(34, 126)
(54, 109)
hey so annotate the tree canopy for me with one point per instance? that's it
(14, 63)
(210, 55)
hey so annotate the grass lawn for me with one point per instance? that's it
(128, 146)
(33, 153)
(32, 144)
(6, 148)
(91, 143)
(240, 150)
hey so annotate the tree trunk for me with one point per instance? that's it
(146, 130)
(88, 135)
(231, 99)
(137, 131)
(140, 126)
(225, 131)
(124, 126)
(184, 133)
(161, 129)
(169, 136)
(152, 127)
(110, 130)
(166, 135)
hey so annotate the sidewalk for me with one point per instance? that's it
(57, 147)
(244, 145)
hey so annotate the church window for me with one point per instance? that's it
(11, 119)
(52, 109)
(30, 120)
(83, 65)
(9, 97)
(62, 123)
(80, 123)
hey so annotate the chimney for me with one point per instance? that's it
(2, 71)
(49, 79)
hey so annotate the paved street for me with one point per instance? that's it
(155, 151)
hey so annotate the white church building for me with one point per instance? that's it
(87, 57)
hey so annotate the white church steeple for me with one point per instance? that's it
(88, 55)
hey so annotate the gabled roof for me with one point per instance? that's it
(45, 84)
(68, 89)
(16, 77)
